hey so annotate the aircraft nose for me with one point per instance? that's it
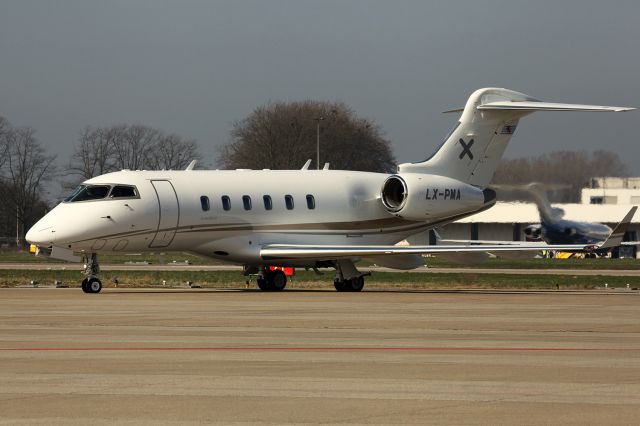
(40, 236)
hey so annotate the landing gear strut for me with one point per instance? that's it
(272, 280)
(91, 283)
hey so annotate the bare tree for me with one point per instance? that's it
(132, 145)
(27, 166)
(171, 152)
(106, 149)
(93, 153)
(572, 169)
(283, 136)
(4, 142)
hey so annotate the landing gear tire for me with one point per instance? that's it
(93, 285)
(277, 280)
(353, 285)
(263, 284)
(84, 285)
(340, 285)
(273, 281)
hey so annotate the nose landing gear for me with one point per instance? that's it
(91, 284)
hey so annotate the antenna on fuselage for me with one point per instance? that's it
(326, 166)
(191, 165)
(306, 165)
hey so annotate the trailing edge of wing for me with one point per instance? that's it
(277, 251)
(548, 106)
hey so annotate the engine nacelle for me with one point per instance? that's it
(421, 197)
(533, 232)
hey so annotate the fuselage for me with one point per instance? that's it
(572, 232)
(565, 231)
(230, 214)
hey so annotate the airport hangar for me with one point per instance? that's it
(606, 200)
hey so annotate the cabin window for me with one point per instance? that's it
(226, 202)
(91, 192)
(123, 191)
(288, 200)
(204, 202)
(268, 204)
(246, 202)
(311, 202)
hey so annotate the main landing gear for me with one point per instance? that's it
(353, 284)
(274, 280)
(345, 268)
(91, 283)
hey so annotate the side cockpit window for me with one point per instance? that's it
(89, 192)
(123, 191)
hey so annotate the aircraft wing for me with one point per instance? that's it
(328, 252)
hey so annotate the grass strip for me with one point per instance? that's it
(307, 279)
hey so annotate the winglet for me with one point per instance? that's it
(191, 165)
(615, 239)
(306, 165)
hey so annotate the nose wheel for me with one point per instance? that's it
(91, 284)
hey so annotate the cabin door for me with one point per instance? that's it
(168, 213)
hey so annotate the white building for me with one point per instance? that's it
(612, 190)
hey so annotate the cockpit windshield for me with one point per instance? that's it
(74, 193)
(99, 192)
(89, 192)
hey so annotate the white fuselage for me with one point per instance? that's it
(168, 213)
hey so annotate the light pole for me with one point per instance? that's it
(318, 120)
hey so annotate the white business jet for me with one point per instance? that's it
(299, 218)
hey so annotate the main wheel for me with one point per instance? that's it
(340, 285)
(84, 285)
(277, 280)
(94, 285)
(263, 284)
(355, 284)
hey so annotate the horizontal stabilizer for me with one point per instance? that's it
(547, 106)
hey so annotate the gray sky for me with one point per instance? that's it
(192, 67)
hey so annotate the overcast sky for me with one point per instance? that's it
(193, 67)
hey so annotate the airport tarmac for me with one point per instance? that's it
(377, 357)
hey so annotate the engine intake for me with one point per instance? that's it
(394, 193)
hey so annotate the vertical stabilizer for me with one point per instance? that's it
(472, 151)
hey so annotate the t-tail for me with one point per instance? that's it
(472, 150)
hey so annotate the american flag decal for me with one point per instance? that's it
(508, 129)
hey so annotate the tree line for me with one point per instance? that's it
(567, 171)
(277, 135)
